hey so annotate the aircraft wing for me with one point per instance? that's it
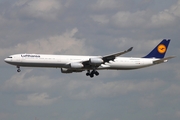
(162, 60)
(107, 58)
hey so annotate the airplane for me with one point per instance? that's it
(91, 64)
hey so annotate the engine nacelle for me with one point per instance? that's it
(95, 61)
(76, 65)
(66, 70)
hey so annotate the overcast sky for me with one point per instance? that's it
(89, 27)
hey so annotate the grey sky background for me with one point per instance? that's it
(89, 27)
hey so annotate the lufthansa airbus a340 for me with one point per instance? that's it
(91, 64)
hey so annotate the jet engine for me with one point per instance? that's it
(95, 61)
(66, 70)
(76, 65)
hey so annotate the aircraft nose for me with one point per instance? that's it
(7, 60)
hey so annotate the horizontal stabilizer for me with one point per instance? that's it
(162, 60)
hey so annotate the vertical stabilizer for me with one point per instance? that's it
(160, 50)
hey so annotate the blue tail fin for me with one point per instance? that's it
(160, 50)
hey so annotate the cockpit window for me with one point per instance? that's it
(9, 57)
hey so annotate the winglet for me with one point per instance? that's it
(130, 49)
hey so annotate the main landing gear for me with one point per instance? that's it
(18, 69)
(92, 73)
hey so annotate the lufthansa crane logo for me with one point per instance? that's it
(161, 48)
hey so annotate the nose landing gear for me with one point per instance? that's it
(18, 70)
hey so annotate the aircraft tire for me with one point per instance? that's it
(91, 75)
(96, 73)
(87, 74)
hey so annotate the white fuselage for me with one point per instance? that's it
(76, 63)
(62, 61)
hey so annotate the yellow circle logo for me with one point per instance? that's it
(161, 48)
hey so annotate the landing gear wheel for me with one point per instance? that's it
(96, 73)
(91, 75)
(88, 73)
(18, 70)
